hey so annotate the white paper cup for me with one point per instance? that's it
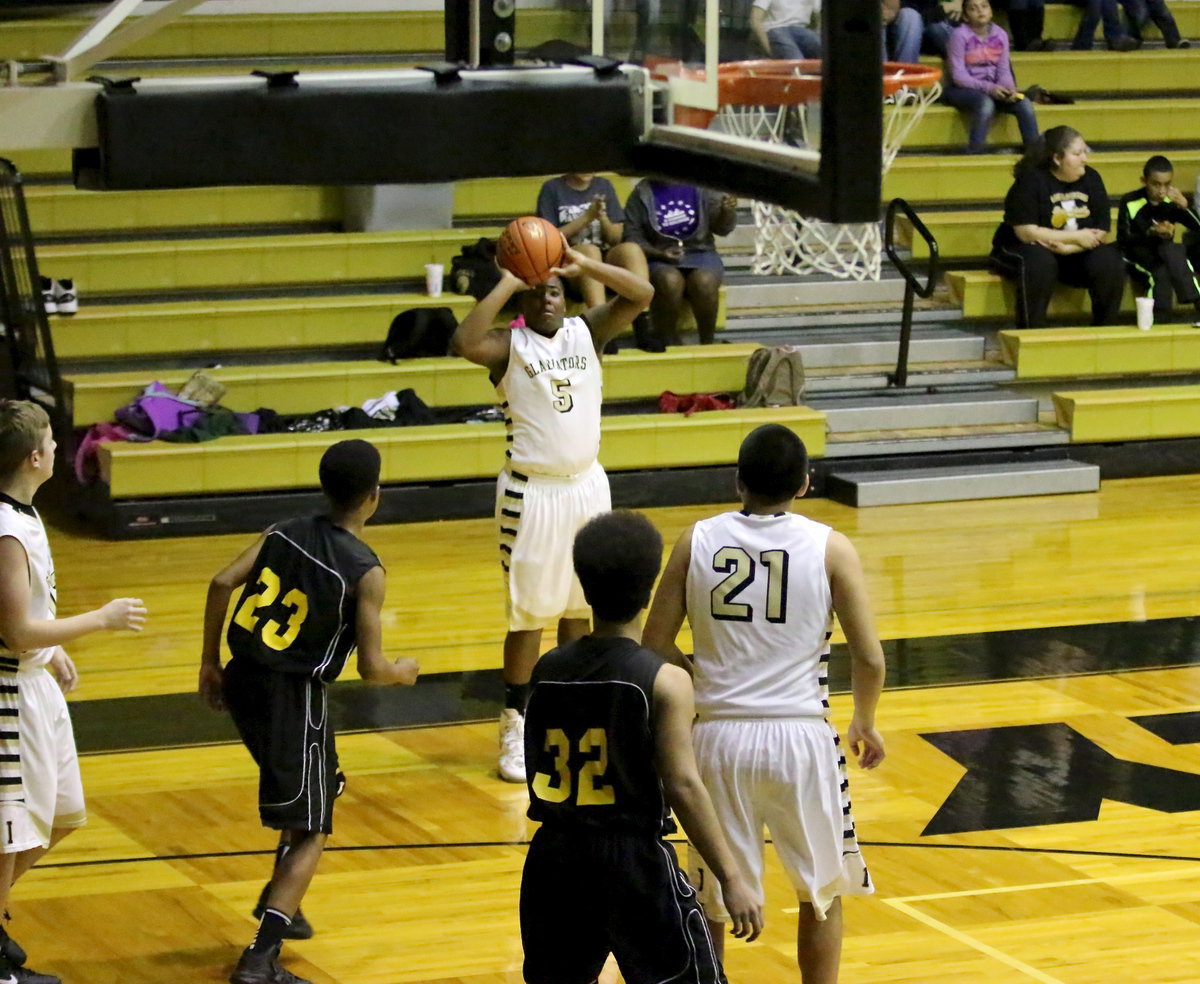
(1145, 312)
(433, 279)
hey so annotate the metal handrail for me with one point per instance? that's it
(912, 287)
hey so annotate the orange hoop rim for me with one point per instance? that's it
(789, 82)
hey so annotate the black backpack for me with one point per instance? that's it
(474, 270)
(419, 332)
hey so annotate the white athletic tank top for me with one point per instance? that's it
(760, 607)
(25, 526)
(551, 393)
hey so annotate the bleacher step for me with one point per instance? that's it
(882, 349)
(957, 482)
(925, 410)
(944, 440)
(780, 292)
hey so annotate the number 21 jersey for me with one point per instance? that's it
(298, 609)
(760, 608)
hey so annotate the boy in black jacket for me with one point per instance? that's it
(1147, 220)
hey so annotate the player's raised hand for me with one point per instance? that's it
(745, 910)
(211, 679)
(570, 265)
(866, 744)
(124, 613)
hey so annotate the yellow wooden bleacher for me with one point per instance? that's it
(1141, 413)
(435, 453)
(445, 382)
(983, 294)
(933, 178)
(1060, 353)
(319, 258)
(1147, 121)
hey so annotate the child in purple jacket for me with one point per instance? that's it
(979, 76)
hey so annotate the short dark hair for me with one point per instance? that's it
(22, 424)
(617, 557)
(772, 462)
(1157, 165)
(349, 471)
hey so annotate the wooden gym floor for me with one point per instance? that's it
(1036, 819)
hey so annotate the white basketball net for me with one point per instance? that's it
(788, 242)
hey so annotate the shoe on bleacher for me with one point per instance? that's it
(49, 305)
(65, 298)
(1124, 44)
(1183, 43)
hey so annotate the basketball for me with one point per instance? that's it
(529, 248)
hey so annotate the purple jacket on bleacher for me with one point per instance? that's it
(973, 62)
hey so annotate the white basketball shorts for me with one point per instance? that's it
(789, 775)
(49, 764)
(537, 518)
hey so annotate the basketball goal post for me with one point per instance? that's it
(778, 102)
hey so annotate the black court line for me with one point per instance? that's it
(350, 848)
(124, 724)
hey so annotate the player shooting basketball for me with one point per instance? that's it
(547, 376)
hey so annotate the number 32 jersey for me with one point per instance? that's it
(760, 608)
(589, 739)
(298, 609)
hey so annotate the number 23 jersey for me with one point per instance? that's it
(589, 739)
(298, 609)
(760, 608)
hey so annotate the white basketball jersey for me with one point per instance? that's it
(25, 526)
(551, 393)
(760, 607)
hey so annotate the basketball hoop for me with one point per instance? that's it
(770, 100)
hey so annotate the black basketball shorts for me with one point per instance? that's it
(283, 720)
(585, 895)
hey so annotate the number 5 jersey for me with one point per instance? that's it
(298, 609)
(760, 608)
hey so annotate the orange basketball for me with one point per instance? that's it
(529, 247)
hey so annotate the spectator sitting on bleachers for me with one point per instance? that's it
(1140, 12)
(1056, 217)
(979, 76)
(674, 225)
(902, 28)
(586, 210)
(1095, 11)
(784, 28)
(940, 17)
(1147, 220)
(1026, 21)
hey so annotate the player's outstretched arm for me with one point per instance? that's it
(670, 605)
(633, 295)
(22, 633)
(372, 666)
(476, 338)
(674, 708)
(853, 607)
(216, 605)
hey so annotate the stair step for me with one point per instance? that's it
(955, 483)
(775, 292)
(883, 350)
(944, 440)
(923, 376)
(925, 411)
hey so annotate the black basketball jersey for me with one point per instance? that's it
(589, 739)
(298, 608)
